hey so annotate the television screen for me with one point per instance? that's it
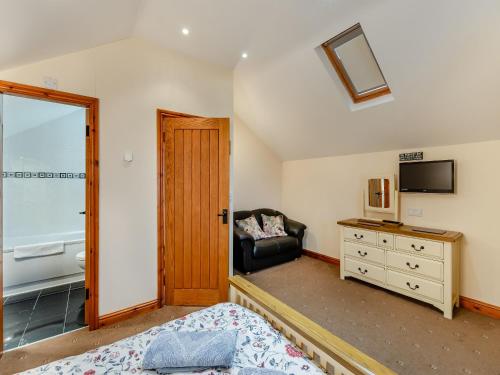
(427, 177)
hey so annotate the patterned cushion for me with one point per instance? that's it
(274, 226)
(251, 226)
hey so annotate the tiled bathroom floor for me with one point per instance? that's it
(34, 316)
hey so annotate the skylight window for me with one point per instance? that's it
(354, 61)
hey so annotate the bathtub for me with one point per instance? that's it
(21, 275)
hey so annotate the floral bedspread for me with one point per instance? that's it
(258, 345)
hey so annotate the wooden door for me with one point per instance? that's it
(197, 193)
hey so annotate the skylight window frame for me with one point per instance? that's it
(337, 64)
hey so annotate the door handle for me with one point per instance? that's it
(82, 212)
(224, 216)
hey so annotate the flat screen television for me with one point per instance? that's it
(436, 176)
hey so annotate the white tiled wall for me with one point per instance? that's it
(42, 137)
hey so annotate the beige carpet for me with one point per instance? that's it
(410, 337)
(80, 341)
(407, 336)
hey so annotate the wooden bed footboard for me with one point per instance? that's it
(332, 354)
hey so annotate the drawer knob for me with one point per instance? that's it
(384, 240)
(358, 236)
(362, 254)
(412, 287)
(417, 248)
(414, 267)
(363, 272)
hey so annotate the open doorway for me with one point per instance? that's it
(49, 213)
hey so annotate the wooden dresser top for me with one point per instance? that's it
(404, 230)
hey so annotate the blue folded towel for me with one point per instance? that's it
(259, 371)
(190, 351)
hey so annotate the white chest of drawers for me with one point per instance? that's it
(423, 266)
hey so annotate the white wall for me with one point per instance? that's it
(257, 171)
(36, 208)
(132, 78)
(319, 192)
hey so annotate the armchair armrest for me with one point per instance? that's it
(241, 235)
(294, 228)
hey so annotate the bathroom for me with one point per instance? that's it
(43, 214)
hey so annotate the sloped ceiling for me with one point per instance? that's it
(441, 60)
(32, 30)
(220, 29)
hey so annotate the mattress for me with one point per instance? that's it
(258, 345)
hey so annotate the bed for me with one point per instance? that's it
(270, 335)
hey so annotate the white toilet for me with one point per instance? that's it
(80, 259)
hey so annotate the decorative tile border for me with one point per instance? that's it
(69, 175)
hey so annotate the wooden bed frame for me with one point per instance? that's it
(332, 354)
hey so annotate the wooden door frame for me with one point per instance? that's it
(91, 182)
(161, 152)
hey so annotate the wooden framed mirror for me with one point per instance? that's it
(380, 196)
(378, 193)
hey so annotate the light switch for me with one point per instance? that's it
(128, 157)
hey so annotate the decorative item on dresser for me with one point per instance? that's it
(404, 259)
(381, 199)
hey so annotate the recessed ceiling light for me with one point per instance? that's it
(185, 31)
(244, 55)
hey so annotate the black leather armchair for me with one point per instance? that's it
(250, 255)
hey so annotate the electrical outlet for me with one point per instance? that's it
(415, 212)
